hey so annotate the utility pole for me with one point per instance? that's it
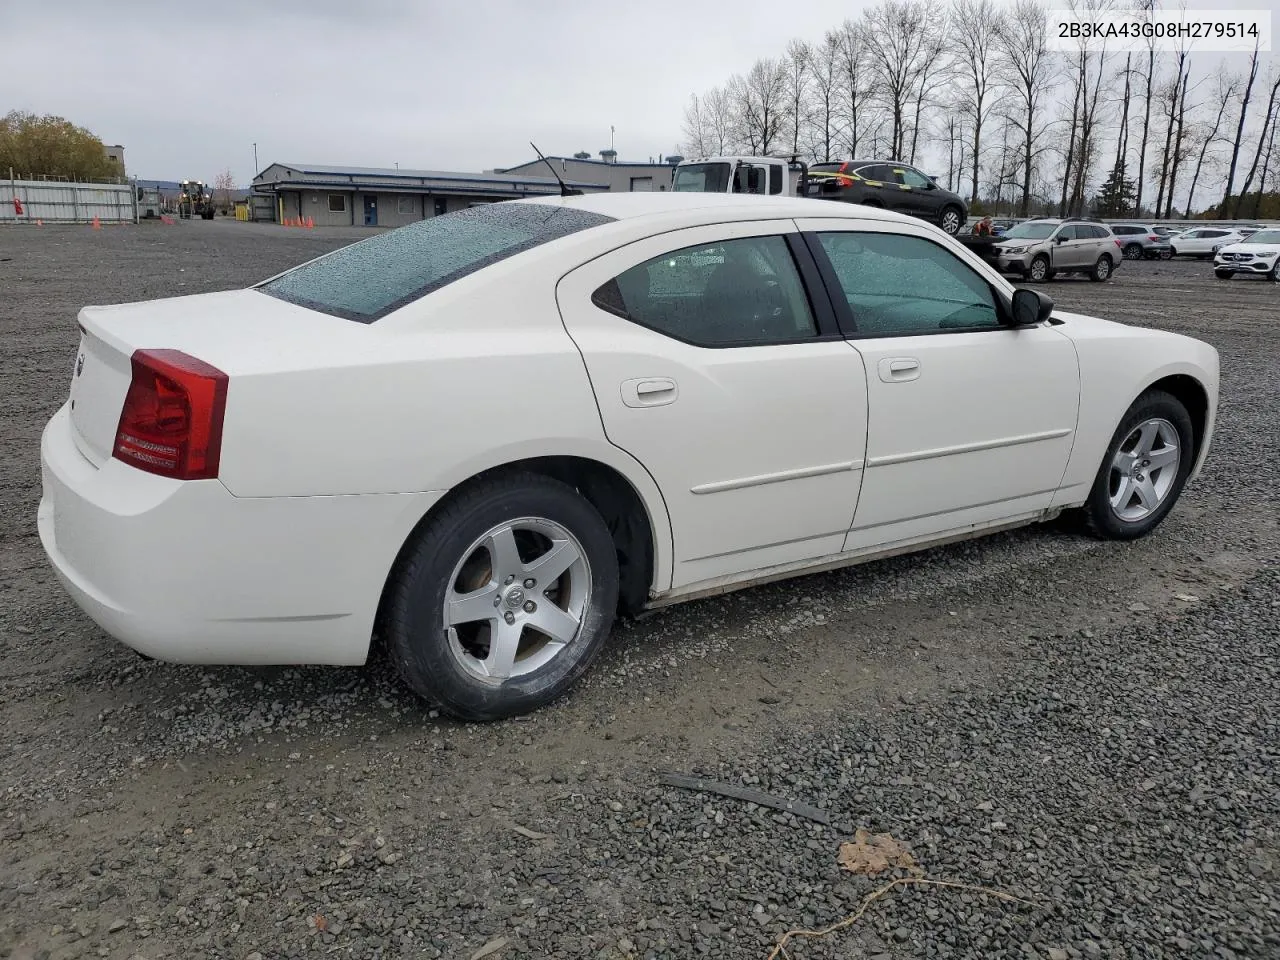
(255, 159)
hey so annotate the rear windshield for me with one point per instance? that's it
(369, 279)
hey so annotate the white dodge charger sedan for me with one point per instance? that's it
(481, 436)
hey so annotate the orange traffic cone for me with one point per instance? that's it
(96, 224)
(310, 222)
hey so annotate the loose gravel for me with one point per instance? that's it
(1090, 727)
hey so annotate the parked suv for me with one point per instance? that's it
(891, 185)
(1142, 241)
(1203, 241)
(1041, 249)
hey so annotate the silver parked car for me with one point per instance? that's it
(1041, 249)
(1142, 241)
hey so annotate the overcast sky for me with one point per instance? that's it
(436, 84)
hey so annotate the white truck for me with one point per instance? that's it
(766, 176)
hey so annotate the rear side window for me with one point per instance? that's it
(368, 280)
(733, 293)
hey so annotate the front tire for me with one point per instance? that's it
(1101, 271)
(1222, 274)
(502, 600)
(1144, 470)
(1039, 270)
(950, 220)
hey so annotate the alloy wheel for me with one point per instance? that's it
(1144, 469)
(516, 599)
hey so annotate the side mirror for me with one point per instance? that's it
(1060, 238)
(1030, 307)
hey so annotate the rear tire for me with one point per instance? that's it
(467, 589)
(1101, 271)
(1131, 497)
(1133, 251)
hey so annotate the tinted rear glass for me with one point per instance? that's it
(369, 279)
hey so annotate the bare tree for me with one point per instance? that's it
(1224, 93)
(1070, 151)
(760, 105)
(825, 91)
(1119, 168)
(1149, 81)
(1263, 138)
(1180, 150)
(223, 185)
(858, 79)
(1086, 146)
(1023, 47)
(1244, 110)
(897, 35)
(708, 124)
(694, 130)
(797, 66)
(935, 71)
(1266, 167)
(975, 26)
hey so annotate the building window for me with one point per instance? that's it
(406, 206)
(441, 206)
(337, 203)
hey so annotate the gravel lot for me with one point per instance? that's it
(1094, 728)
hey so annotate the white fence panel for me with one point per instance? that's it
(57, 202)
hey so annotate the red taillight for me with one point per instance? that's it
(171, 423)
(1154, 239)
(1118, 243)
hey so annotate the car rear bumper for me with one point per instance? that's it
(186, 572)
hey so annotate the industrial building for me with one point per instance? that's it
(608, 172)
(387, 197)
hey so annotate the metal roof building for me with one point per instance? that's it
(386, 196)
(619, 176)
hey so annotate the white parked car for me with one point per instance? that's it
(1258, 255)
(481, 435)
(1202, 241)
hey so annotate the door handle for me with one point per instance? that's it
(899, 369)
(649, 391)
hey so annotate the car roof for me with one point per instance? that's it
(699, 208)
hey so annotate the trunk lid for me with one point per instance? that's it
(241, 332)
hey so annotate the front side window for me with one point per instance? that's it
(735, 292)
(1069, 233)
(912, 178)
(368, 280)
(899, 285)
